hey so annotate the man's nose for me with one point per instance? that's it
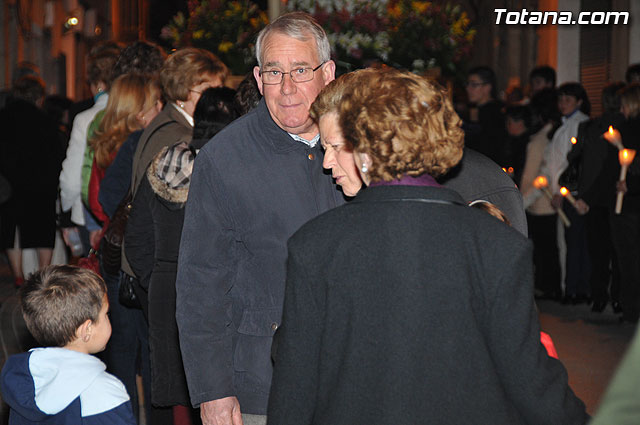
(287, 86)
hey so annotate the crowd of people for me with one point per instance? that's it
(301, 250)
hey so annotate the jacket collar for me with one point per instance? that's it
(276, 137)
(173, 114)
(389, 193)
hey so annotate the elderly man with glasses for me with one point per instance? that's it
(253, 186)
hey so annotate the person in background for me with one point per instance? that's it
(30, 159)
(632, 75)
(99, 75)
(575, 108)
(541, 216)
(519, 121)
(128, 351)
(625, 227)
(252, 187)
(368, 281)
(540, 78)
(596, 191)
(485, 130)
(153, 232)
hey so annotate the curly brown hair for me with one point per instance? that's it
(404, 122)
(331, 95)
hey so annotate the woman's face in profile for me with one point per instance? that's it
(336, 155)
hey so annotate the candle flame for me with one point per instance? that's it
(611, 130)
(564, 191)
(574, 140)
(626, 156)
(510, 170)
(540, 182)
(504, 169)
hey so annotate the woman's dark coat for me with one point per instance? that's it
(405, 306)
(153, 238)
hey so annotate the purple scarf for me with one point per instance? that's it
(423, 180)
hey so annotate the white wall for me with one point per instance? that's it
(568, 45)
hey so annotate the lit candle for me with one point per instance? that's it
(542, 184)
(625, 156)
(568, 196)
(613, 136)
(574, 140)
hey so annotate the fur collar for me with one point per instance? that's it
(166, 185)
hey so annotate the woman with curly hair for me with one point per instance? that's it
(396, 311)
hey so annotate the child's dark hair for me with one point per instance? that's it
(213, 112)
(545, 72)
(576, 90)
(633, 73)
(56, 300)
(520, 113)
(544, 107)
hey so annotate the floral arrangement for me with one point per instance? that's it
(226, 28)
(409, 34)
(357, 29)
(428, 35)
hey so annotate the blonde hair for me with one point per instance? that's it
(404, 122)
(126, 100)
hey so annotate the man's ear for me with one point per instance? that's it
(329, 71)
(85, 330)
(256, 75)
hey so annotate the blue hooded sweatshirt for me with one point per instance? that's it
(60, 386)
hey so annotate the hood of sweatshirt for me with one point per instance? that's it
(45, 381)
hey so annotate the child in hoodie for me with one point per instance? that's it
(65, 308)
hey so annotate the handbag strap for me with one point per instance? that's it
(134, 181)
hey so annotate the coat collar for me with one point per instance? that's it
(276, 137)
(390, 193)
(173, 114)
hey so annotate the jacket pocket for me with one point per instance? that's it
(252, 355)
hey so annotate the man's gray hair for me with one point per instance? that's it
(298, 25)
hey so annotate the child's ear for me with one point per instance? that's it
(85, 330)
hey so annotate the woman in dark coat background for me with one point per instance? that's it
(405, 306)
(155, 227)
(30, 159)
(625, 227)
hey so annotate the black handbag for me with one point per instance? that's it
(127, 293)
(111, 246)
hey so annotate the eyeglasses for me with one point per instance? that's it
(195, 91)
(475, 84)
(298, 75)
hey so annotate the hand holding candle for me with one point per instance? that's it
(613, 136)
(568, 196)
(542, 183)
(625, 156)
